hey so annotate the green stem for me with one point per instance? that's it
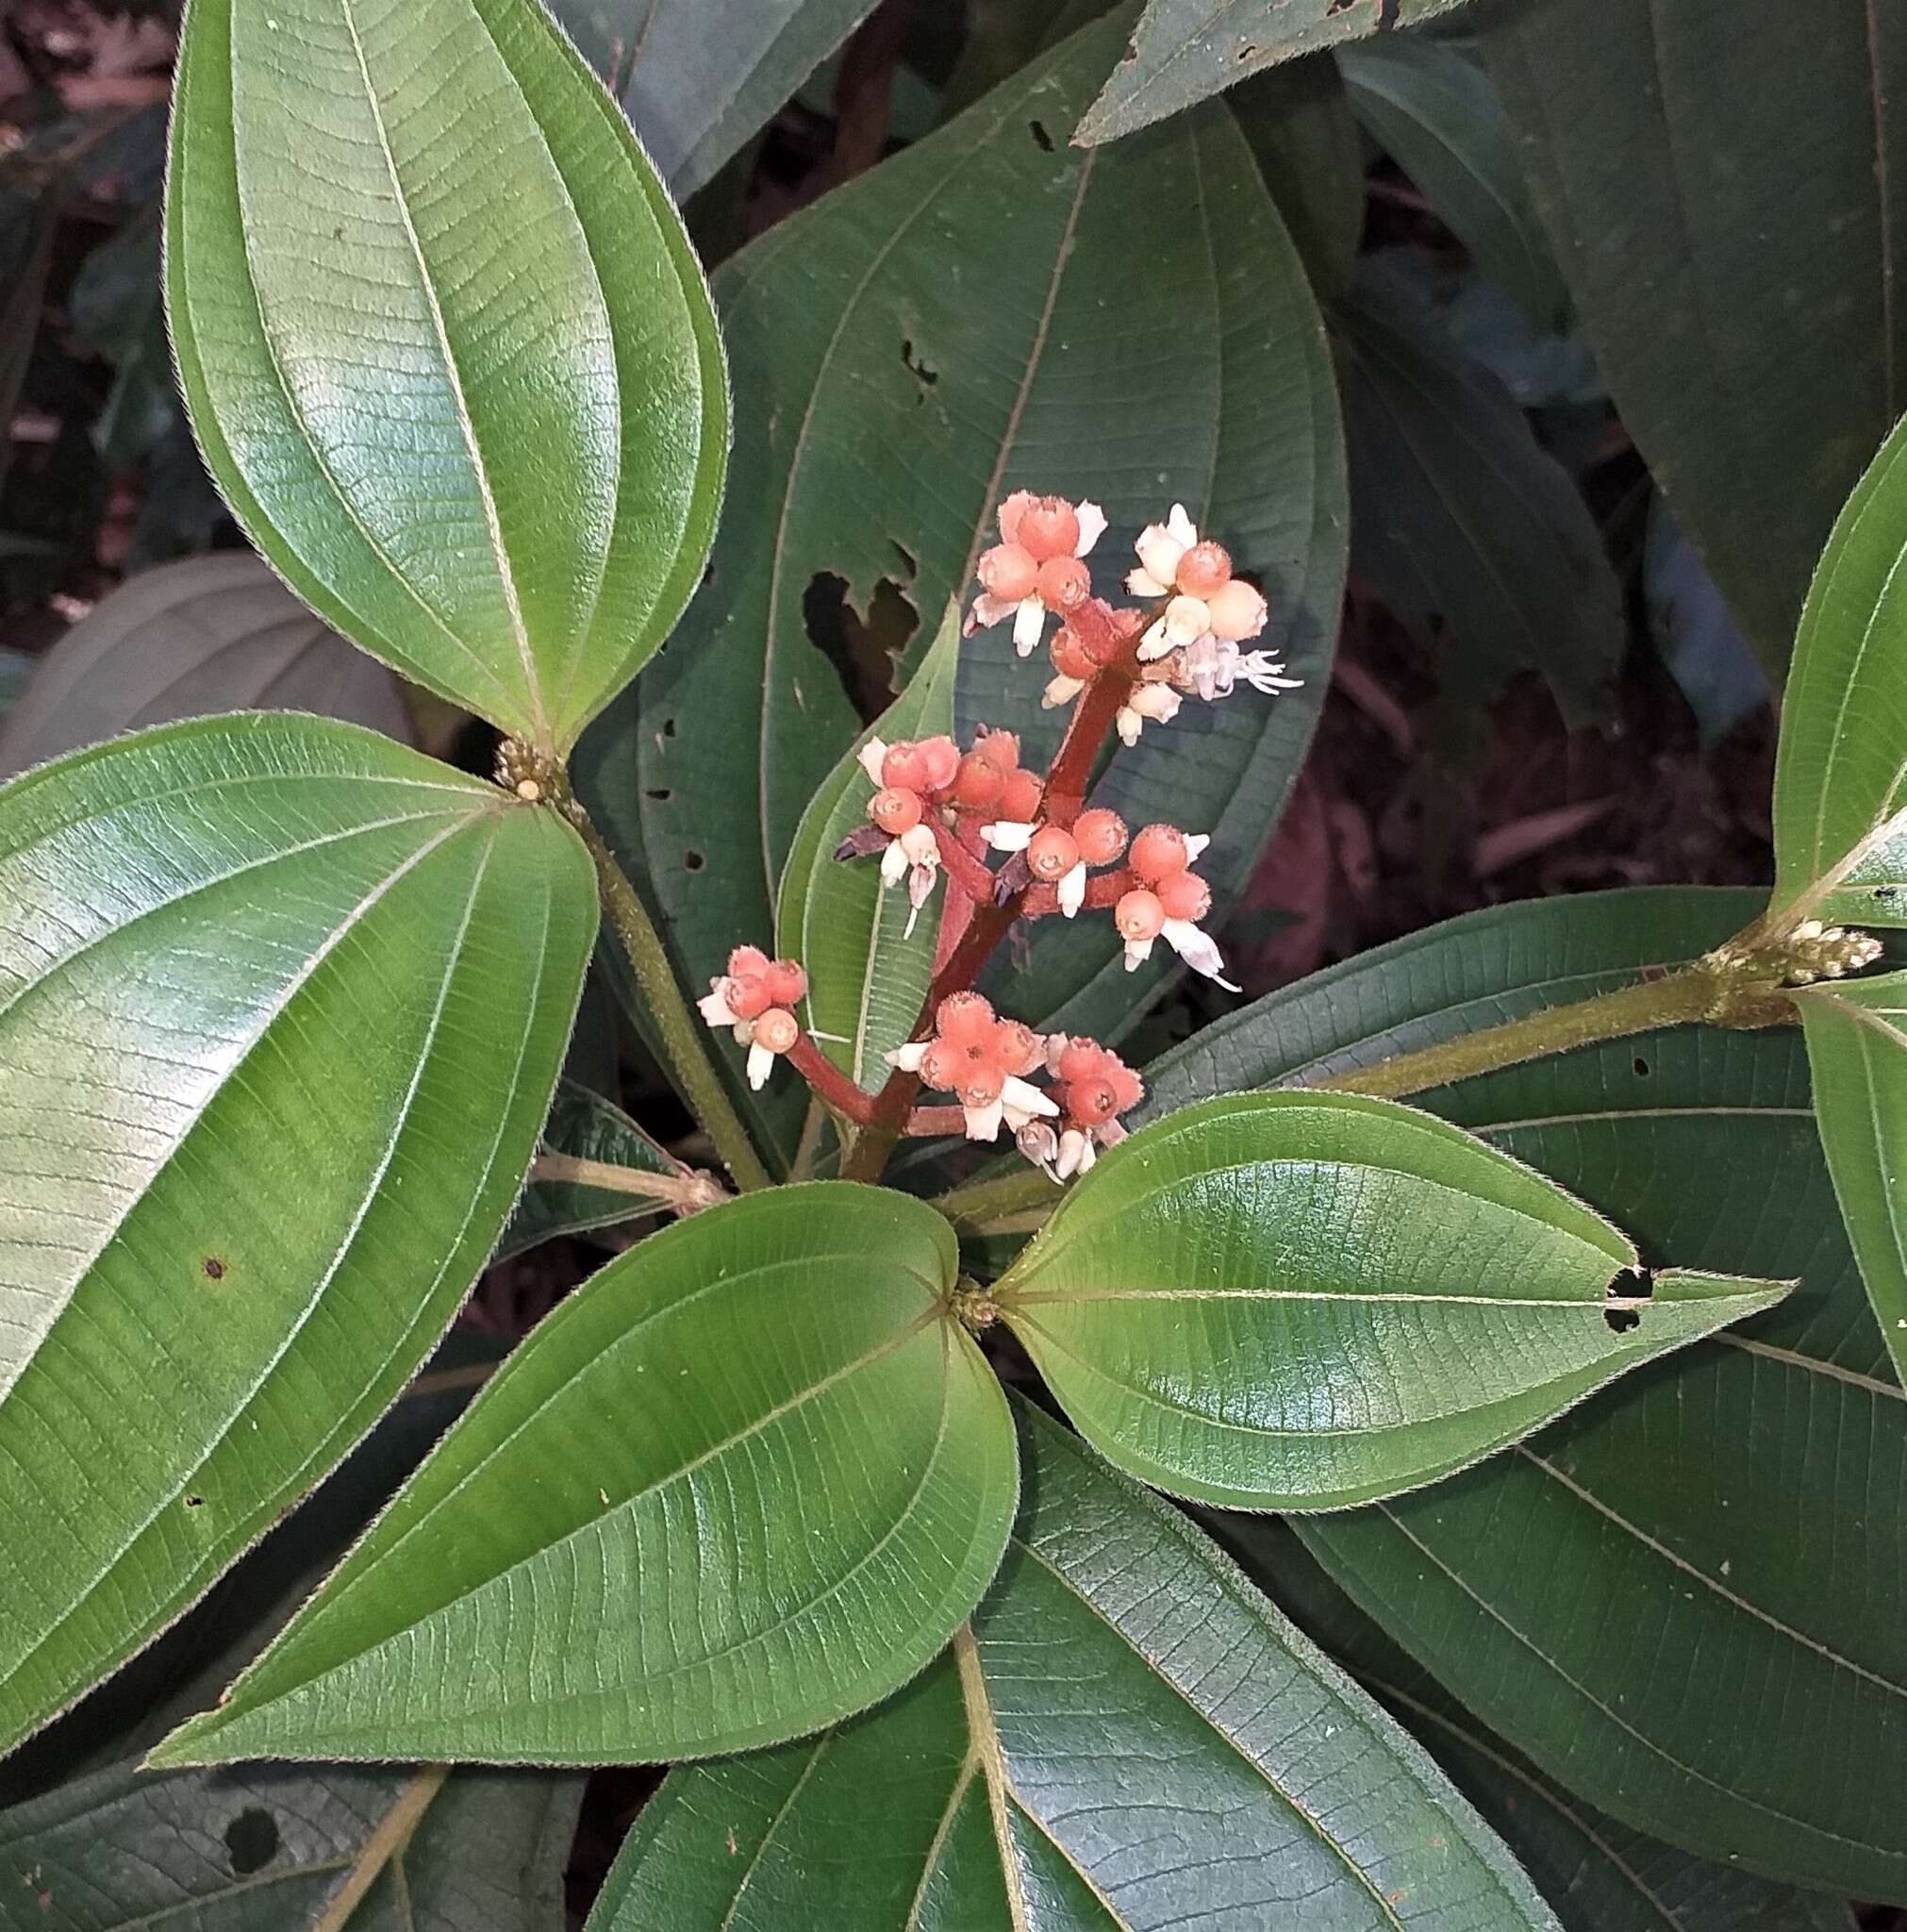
(684, 1048)
(1717, 991)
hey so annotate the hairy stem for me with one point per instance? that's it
(681, 1193)
(685, 1050)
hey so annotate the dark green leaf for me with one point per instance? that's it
(885, 405)
(1699, 641)
(583, 1127)
(1732, 241)
(698, 81)
(205, 635)
(1721, 1534)
(1127, 1737)
(652, 1536)
(867, 975)
(281, 1007)
(1840, 779)
(1300, 126)
(1185, 50)
(506, 487)
(1440, 119)
(28, 225)
(1459, 513)
(1599, 1874)
(1292, 1301)
(269, 1848)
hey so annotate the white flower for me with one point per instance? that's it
(1160, 548)
(915, 856)
(1071, 890)
(1264, 672)
(1137, 953)
(1060, 690)
(1021, 1101)
(1158, 702)
(713, 1006)
(761, 1065)
(1186, 620)
(1008, 835)
(870, 758)
(1197, 948)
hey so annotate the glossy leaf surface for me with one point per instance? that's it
(1597, 1874)
(1128, 1735)
(1305, 1300)
(867, 975)
(886, 407)
(1840, 783)
(268, 1848)
(651, 1537)
(443, 341)
(281, 1007)
(1462, 515)
(1597, 1607)
(1732, 248)
(585, 1127)
(1857, 1052)
(1185, 50)
(216, 633)
(1436, 114)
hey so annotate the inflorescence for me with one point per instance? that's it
(938, 812)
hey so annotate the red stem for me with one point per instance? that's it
(827, 1080)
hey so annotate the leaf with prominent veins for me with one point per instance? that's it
(281, 1007)
(1305, 1301)
(643, 1541)
(444, 342)
(1124, 1729)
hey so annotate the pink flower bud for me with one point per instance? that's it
(777, 1030)
(1139, 916)
(1237, 612)
(1008, 572)
(1064, 583)
(1203, 568)
(1049, 526)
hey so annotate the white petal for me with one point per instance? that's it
(983, 1123)
(1071, 890)
(1158, 701)
(1137, 953)
(908, 1057)
(1158, 553)
(1263, 672)
(1088, 1154)
(1155, 643)
(893, 863)
(1109, 1133)
(1060, 690)
(1029, 621)
(870, 756)
(987, 610)
(1198, 949)
(1180, 527)
(1195, 844)
(919, 843)
(1007, 837)
(713, 1006)
(1186, 619)
(1021, 1097)
(1142, 583)
(1091, 527)
(1130, 724)
(761, 1065)
(1072, 1146)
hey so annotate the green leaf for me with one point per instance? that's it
(261, 1850)
(585, 1126)
(1572, 1594)
(1439, 118)
(1300, 126)
(1840, 783)
(867, 976)
(1731, 249)
(1127, 1735)
(1293, 1301)
(1185, 50)
(281, 1007)
(208, 634)
(1458, 513)
(1599, 1874)
(886, 407)
(698, 81)
(652, 1538)
(1857, 1052)
(444, 344)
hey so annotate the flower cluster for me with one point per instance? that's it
(982, 1061)
(1167, 901)
(1094, 1087)
(1059, 857)
(1035, 566)
(756, 997)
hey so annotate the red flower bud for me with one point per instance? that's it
(1185, 895)
(1051, 853)
(1101, 836)
(1159, 851)
(895, 812)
